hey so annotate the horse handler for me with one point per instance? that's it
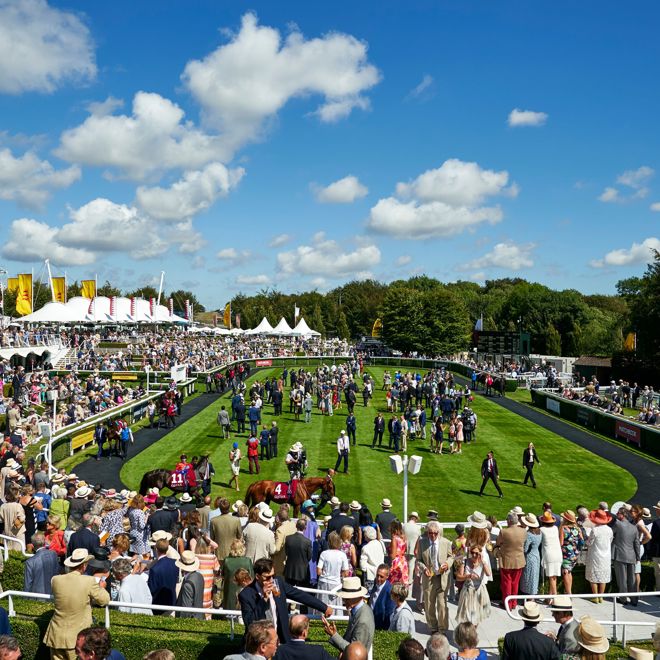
(253, 453)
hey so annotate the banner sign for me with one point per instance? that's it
(124, 376)
(552, 405)
(584, 417)
(628, 432)
(139, 412)
(178, 373)
(264, 363)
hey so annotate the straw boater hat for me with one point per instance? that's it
(59, 478)
(530, 520)
(235, 505)
(385, 503)
(83, 491)
(530, 612)
(478, 520)
(78, 557)
(432, 514)
(188, 561)
(600, 517)
(111, 492)
(334, 501)
(591, 636)
(186, 497)
(646, 514)
(568, 515)
(561, 604)
(355, 505)
(266, 515)
(351, 587)
(160, 535)
(517, 510)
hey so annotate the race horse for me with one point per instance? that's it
(277, 491)
(175, 481)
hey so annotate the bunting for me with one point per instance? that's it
(630, 344)
(170, 306)
(133, 308)
(187, 309)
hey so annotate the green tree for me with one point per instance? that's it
(180, 296)
(144, 292)
(552, 341)
(108, 290)
(342, 326)
(73, 290)
(402, 318)
(316, 322)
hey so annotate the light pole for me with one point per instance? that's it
(399, 464)
(147, 370)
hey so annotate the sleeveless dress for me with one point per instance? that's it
(551, 550)
(399, 566)
(346, 549)
(570, 548)
(474, 601)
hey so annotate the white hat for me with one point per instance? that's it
(266, 515)
(78, 556)
(478, 520)
(154, 491)
(159, 535)
(12, 463)
(530, 612)
(385, 503)
(59, 478)
(591, 636)
(414, 514)
(351, 587)
(186, 497)
(188, 561)
(342, 432)
(530, 520)
(561, 604)
(236, 504)
(518, 510)
(83, 492)
(355, 505)
(334, 501)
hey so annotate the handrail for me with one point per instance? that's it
(614, 621)
(13, 539)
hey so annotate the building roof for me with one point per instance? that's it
(592, 361)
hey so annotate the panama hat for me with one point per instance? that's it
(188, 561)
(73, 477)
(159, 535)
(78, 557)
(186, 497)
(83, 491)
(639, 654)
(236, 504)
(351, 587)
(568, 515)
(432, 514)
(561, 604)
(530, 612)
(59, 478)
(334, 501)
(591, 636)
(385, 503)
(657, 505)
(517, 510)
(478, 520)
(266, 515)
(600, 517)
(646, 513)
(414, 514)
(355, 505)
(530, 520)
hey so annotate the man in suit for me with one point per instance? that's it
(434, 557)
(259, 540)
(225, 528)
(653, 547)
(298, 552)
(509, 549)
(489, 471)
(100, 436)
(191, 593)
(625, 553)
(41, 567)
(529, 643)
(566, 638)
(385, 518)
(379, 429)
(298, 648)
(260, 642)
(361, 625)
(266, 597)
(379, 601)
(74, 595)
(163, 577)
(84, 538)
(343, 518)
(284, 527)
(343, 450)
(530, 456)
(396, 433)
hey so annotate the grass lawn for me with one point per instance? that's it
(450, 484)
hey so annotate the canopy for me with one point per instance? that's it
(304, 330)
(52, 312)
(264, 328)
(282, 328)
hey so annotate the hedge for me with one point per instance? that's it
(615, 652)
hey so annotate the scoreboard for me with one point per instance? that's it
(503, 343)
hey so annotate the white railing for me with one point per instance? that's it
(12, 539)
(614, 621)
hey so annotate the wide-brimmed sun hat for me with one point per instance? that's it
(600, 517)
(334, 501)
(530, 612)
(188, 561)
(646, 513)
(100, 560)
(547, 518)
(160, 535)
(530, 520)
(561, 604)
(78, 556)
(478, 520)
(568, 515)
(235, 505)
(84, 491)
(591, 636)
(518, 510)
(351, 587)
(186, 498)
(266, 515)
(355, 505)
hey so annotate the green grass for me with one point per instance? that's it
(568, 475)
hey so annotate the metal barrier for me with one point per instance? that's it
(12, 539)
(614, 621)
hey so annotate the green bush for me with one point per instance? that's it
(13, 573)
(615, 651)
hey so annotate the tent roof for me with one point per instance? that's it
(282, 328)
(52, 312)
(303, 329)
(262, 329)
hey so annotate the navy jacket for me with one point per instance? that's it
(163, 577)
(383, 607)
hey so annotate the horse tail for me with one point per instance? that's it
(144, 484)
(250, 500)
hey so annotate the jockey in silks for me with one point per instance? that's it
(296, 463)
(184, 468)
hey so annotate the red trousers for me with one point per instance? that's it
(509, 581)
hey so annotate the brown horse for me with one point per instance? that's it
(265, 491)
(162, 478)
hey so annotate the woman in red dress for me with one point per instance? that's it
(397, 554)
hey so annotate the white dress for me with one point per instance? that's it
(598, 568)
(331, 563)
(235, 462)
(551, 550)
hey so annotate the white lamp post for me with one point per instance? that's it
(399, 464)
(147, 370)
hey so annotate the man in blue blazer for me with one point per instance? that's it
(163, 576)
(298, 648)
(379, 598)
(41, 567)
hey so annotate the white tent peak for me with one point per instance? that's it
(282, 328)
(304, 330)
(264, 328)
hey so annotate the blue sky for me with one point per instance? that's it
(298, 145)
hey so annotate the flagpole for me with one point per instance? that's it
(65, 288)
(160, 288)
(50, 280)
(32, 285)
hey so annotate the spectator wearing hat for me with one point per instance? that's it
(41, 567)
(343, 450)
(653, 547)
(529, 643)
(266, 598)
(592, 639)
(598, 567)
(163, 574)
(186, 504)
(625, 553)
(509, 549)
(572, 541)
(191, 592)
(529, 581)
(81, 503)
(566, 637)
(259, 540)
(74, 594)
(361, 626)
(550, 550)
(133, 588)
(385, 518)
(85, 537)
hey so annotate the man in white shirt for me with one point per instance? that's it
(343, 449)
(133, 589)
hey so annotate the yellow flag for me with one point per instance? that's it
(12, 284)
(24, 294)
(377, 329)
(227, 315)
(630, 344)
(88, 288)
(59, 289)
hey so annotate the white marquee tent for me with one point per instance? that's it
(264, 328)
(282, 328)
(304, 330)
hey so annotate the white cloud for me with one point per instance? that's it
(318, 282)
(253, 280)
(638, 253)
(233, 256)
(344, 191)
(196, 191)
(326, 259)
(504, 255)
(30, 181)
(458, 183)
(279, 240)
(107, 107)
(42, 47)
(155, 138)
(636, 178)
(478, 277)
(31, 240)
(519, 117)
(403, 260)
(655, 206)
(421, 90)
(610, 195)
(248, 80)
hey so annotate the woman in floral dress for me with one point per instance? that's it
(529, 582)
(570, 537)
(397, 554)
